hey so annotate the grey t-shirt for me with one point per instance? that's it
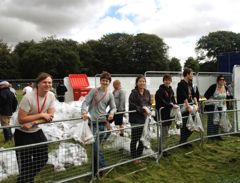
(96, 103)
(120, 98)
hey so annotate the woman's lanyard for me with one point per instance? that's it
(41, 109)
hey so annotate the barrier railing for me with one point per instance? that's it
(68, 159)
(116, 149)
(122, 145)
(231, 117)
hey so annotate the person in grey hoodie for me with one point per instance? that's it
(94, 108)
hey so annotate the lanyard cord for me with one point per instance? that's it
(96, 102)
(40, 110)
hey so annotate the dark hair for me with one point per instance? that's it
(106, 75)
(167, 77)
(29, 84)
(41, 77)
(187, 71)
(137, 79)
(219, 77)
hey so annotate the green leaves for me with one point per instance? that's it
(192, 63)
(57, 57)
(174, 64)
(121, 53)
(217, 42)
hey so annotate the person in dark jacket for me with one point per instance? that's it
(140, 97)
(8, 105)
(220, 92)
(165, 99)
(196, 91)
(186, 96)
(61, 90)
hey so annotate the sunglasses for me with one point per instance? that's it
(221, 79)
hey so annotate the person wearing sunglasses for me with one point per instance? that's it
(219, 92)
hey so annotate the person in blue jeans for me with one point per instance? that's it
(94, 108)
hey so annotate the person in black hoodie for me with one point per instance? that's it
(140, 97)
(165, 99)
(186, 96)
(61, 90)
(8, 105)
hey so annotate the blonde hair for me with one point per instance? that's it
(116, 83)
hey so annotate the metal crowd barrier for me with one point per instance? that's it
(115, 148)
(120, 148)
(68, 159)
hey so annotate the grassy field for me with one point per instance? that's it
(215, 162)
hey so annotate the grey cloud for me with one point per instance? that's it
(13, 31)
(46, 17)
(48, 21)
(47, 4)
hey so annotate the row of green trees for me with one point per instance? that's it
(118, 53)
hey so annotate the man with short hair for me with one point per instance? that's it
(120, 99)
(95, 104)
(186, 97)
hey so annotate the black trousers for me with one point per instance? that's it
(31, 159)
(136, 150)
(184, 132)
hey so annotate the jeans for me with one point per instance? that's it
(101, 160)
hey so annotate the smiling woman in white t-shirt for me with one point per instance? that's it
(36, 106)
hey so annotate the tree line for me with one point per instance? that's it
(117, 53)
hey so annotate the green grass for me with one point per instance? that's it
(19, 95)
(217, 162)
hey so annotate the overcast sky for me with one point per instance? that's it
(179, 22)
